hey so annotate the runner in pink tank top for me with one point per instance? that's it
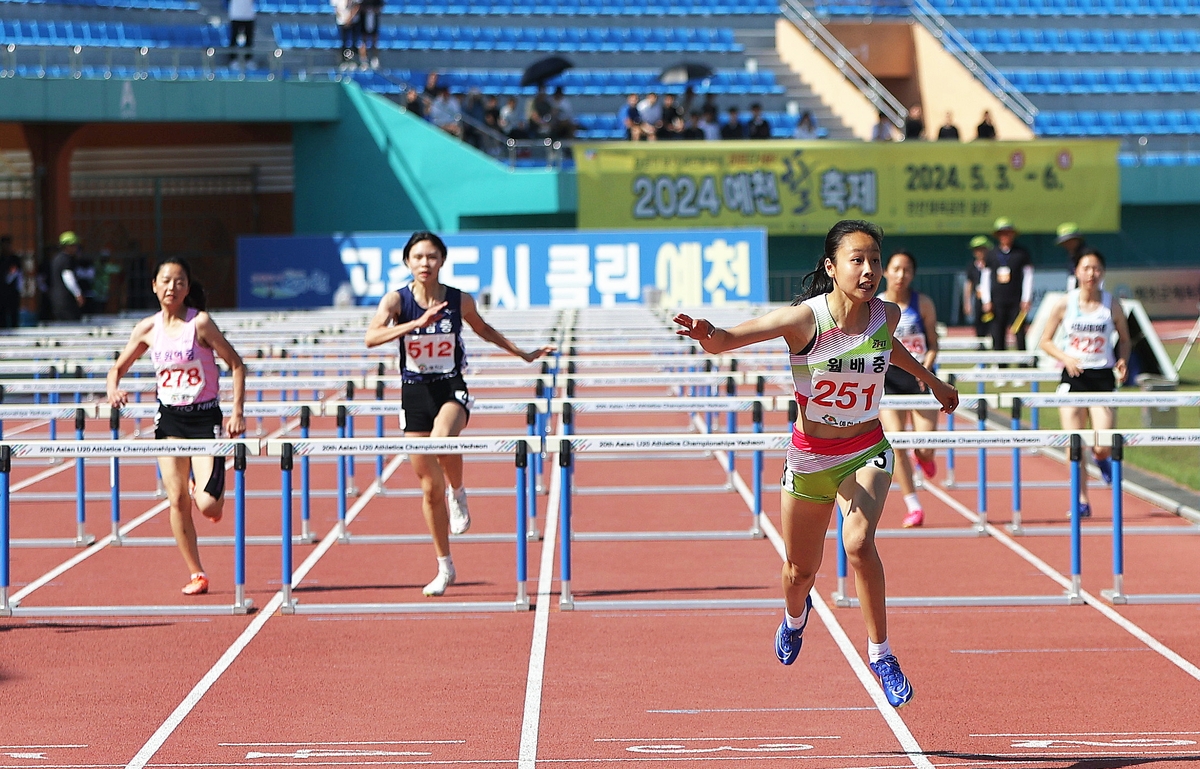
(183, 342)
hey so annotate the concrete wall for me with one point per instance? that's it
(947, 86)
(819, 74)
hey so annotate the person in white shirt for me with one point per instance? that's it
(807, 127)
(241, 29)
(651, 111)
(346, 12)
(445, 113)
(710, 125)
(883, 131)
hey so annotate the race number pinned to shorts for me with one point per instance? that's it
(429, 353)
(885, 461)
(464, 398)
(179, 386)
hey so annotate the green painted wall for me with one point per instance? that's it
(166, 101)
(380, 168)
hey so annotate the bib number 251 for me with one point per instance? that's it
(845, 396)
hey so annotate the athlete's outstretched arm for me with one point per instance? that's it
(211, 335)
(486, 332)
(381, 331)
(796, 324)
(136, 347)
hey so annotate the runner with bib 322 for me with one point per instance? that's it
(841, 342)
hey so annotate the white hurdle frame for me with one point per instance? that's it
(519, 445)
(114, 449)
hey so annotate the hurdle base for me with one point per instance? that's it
(522, 601)
(1114, 596)
(430, 607)
(1160, 598)
(565, 601)
(964, 600)
(681, 604)
(418, 539)
(130, 611)
(1016, 529)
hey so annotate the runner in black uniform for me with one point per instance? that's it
(426, 318)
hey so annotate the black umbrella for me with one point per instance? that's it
(685, 72)
(544, 69)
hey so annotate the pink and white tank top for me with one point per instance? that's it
(187, 371)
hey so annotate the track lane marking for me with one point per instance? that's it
(865, 676)
(1091, 600)
(532, 714)
(168, 727)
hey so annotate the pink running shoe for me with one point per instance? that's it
(914, 518)
(928, 467)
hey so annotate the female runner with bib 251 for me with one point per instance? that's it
(841, 342)
(426, 317)
(1090, 317)
(182, 339)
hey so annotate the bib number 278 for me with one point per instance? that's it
(845, 395)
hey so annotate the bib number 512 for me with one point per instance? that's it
(418, 349)
(845, 396)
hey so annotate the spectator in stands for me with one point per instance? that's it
(431, 87)
(369, 15)
(413, 102)
(948, 132)
(673, 130)
(10, 284)
(445, 112)
(807, 127)
(883, 131)
(985, 129)
(758, 127)
(710, 103)
(914, 124)
(687, 103)
(66, 297)
(709, 125)
(562, 116)
(345, 12)
(972, 301)
(672, 109)
(693, 131)
(636, 128)
(1007, 286)
(539, 112)
(651, 111)
(510, 120)
(1071, 242)
(241, 30)
(733, 128)
(473, 108)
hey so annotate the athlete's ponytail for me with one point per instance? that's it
(818, 281)
(196, 297)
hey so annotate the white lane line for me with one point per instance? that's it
(1085, 734)
(865, 676)
(356, 742)
(688, 712)
(201, 688)
(1089, 599)
(43, 475)
(713, 739)
(1044, 651)
(531, 720)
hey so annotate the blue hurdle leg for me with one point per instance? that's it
(1074, 593)
(522, 461)
(240, 603)
(285, 522)
(565, 602)
(1117, 594)
(5, 470)
(839, 596)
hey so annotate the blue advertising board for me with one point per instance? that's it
(518, 269)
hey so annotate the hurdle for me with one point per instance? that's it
(238, 448)
(1118, 440)
(983, 440)
(518, 446)
(347, 410)
(567, 447)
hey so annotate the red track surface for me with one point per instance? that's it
(1034, 686)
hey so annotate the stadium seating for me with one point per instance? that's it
(1069, 41)
(1015, 8)
(539, 7)
(148, 5)
(1118, 122)
(587, 82)
(1105, 81)
(110, 34)
(608, 126)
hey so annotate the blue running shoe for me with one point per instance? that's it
(896, 687)
(788, 641)
(1085, 511)
(1105, 468)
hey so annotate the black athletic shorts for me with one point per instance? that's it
(423, 400)
(897, 381)
(1090, 380)
(197, 421)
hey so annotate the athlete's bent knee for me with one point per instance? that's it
(798, 576)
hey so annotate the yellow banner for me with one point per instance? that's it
(795, 188)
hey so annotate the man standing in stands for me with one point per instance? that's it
(10, 285)
(985, 129)
(948, 132)
(914, 124)
(733, 128)
(66, 297)
(758, 128)
(882, 130)
(1007, 286)
(369, 16)
(1071, 242)
(241, 30)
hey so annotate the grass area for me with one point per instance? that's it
(1178, 463)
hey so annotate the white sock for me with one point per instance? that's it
(445, 565)
(876, 652)
(912, 502)
(795, 623)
